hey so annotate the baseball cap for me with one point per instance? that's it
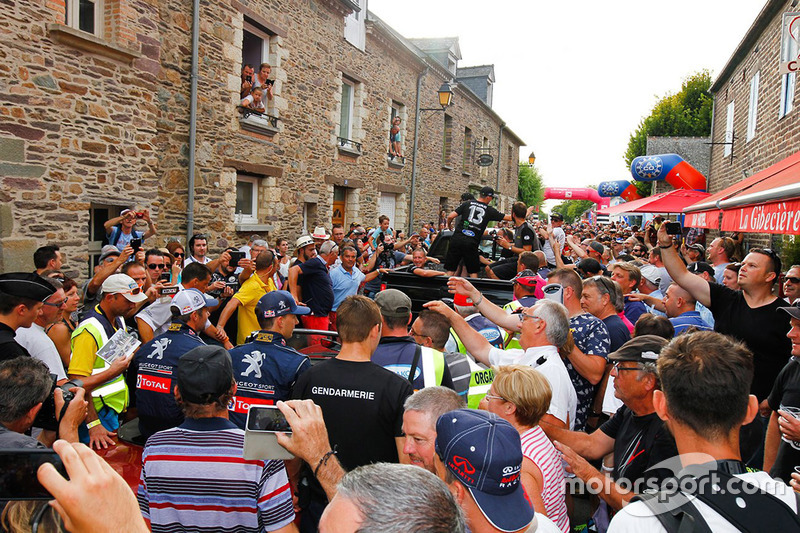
(642, 349)
(483, 452)
(124, 285)
(556, 216)
(699, 267)
(107, 251)
(204, 374)
(597, 247)
(793, 310)
(650, 273)
(697, 246)
(190, 300)
(393, 303)
(279, 303)
(26, 285)
(487, 191)
(526, 278)
(463, 301)
(303, 241)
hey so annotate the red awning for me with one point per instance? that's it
(702, 219)
(666, 202)
(781, 176)
(774, 217)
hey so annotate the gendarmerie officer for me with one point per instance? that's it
(21, 297)
(156, 361)
(265, 369)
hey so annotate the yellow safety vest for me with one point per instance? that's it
(432, 363)
(113, 393)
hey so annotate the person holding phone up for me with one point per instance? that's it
(120, 232)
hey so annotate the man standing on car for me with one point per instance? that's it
(475, 216)
(266, 369)
(525, 240)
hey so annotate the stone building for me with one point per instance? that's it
(755, 120)
(96, 115)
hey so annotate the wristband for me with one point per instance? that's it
(324, 459)
(476, 304)
(665, 247)
(93, 423)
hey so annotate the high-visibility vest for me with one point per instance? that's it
(511, 340)
(113, 393)
(480, 380)
(432, 363)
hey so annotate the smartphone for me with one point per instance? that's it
(260, 440)
(235, 258)
(674, 228)
(18, 469)
(165, 277)
(136, 244)
(168, 291)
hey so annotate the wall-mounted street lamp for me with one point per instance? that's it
(445, 93)
(531, 159)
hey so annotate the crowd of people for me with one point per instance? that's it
(624, 358)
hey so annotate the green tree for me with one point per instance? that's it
(685, 114)
(530, 188)
(571, 210)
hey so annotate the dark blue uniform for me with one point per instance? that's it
(265, 371)
(156, 361)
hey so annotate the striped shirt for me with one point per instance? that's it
(687, 320)
(538, 448)
(195, 479)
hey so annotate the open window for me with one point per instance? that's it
(349, 131)
(259, 48)
(246, 199)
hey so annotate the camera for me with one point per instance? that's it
(47, 417)
(139, 214)
(388, 246)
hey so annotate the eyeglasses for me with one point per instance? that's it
(619, 368)
(415, 334)
(179, 255)
(522, 316)
(154, 266)
(56, 304)
(493, 397)
(792, 279)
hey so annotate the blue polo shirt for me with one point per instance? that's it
(265, 371)
(344, 284)
(155, 363)
(687, 320)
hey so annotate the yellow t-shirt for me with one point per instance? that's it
(84, 352)
(249, 294)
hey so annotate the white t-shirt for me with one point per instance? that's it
(41, 347)
(158, 316)
(637, 517)
(192, 259)
(564, 400)
(611, 403)
(561, 237)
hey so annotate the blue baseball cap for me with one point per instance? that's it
(279, 303)
(484, 453)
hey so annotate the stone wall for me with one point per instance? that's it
(87, 121)
(775, 137)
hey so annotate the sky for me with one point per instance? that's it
(574, 79)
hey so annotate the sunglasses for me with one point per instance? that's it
(792, 279)
(522, 316)
(154, 266)
(56, 304)
(179, 255)
(199, 236)
(132, 292)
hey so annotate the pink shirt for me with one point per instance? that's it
(538, 448)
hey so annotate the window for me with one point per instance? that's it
(309, 216)
(447, 141)
(467, 159)
(789, 52)
(728, 132)
(346, 116)
(387, 205)
(355, 31)
(85, 15)
(98, 215)
(258, 45)
(397, 110)
(752, 110)
(246, 199)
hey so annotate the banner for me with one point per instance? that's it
(702, 219)
(777, 217)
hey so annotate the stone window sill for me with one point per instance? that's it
(396, 162)
(466, 174)
(90, 43)
(258, 124)
(447, 167)
(351, 152)
(245, 227)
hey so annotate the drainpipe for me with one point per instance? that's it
(193, 118)
(499, 156)
(414, 154)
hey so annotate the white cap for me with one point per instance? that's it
(303, 241)
(320, 233)
(650, 273)
(124, 285)
(190, 300)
